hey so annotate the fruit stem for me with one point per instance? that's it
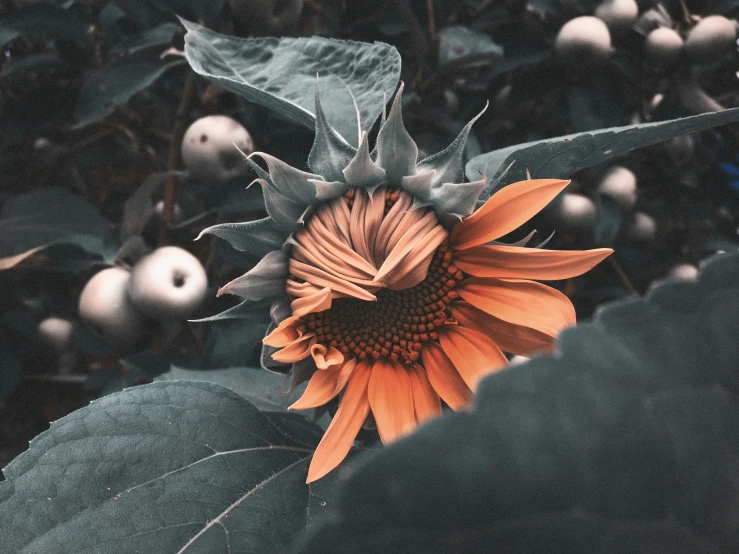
(174, 157)
(622, 275)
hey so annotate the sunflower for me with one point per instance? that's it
(387, 288)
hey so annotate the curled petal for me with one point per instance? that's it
(527, 263)
(505, 211)
(288, 331)
(326, 358)
(296, 350)
(325, 385)
(318, 301)
(340, 435)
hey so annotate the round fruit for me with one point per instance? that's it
(105, 306)
(56, 333)
(209, 148)
(266, 17)
(687, 272)
(712, 37)
(642, 228)
(575, 212)
(620, 185)
(583, 40)
(618, 15)
(169, 284)
(663, 46)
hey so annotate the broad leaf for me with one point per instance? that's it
(168, 467)
(280, 74)
(560, 157)
(464, 47)
(43, 18)
(114, 84)
(626, 441)
(31, 222)
(266, 390)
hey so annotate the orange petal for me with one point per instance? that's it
(326, 357)
(473, 353)
(296, 350)
(515, 339)
(521, 302)
(414, 266)
(323, 279)
(505, 211)
(318, 301)
(426, 403)
(444, 378)
(340, 435)
(324, 385)
(391, 400)
(527, 263)
(289, 330)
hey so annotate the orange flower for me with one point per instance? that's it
(387, 289)
(402, 315)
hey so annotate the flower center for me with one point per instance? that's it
(399, 322)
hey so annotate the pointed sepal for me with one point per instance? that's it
(397, 153)
(253, 310)
(326, 191)
(282, 210)
(289, 181)
(457, 198)
(255, 237)
(448, 162)
(265, 280)
(330, 153)
(362, 171)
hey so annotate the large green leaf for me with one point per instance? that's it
(31, 222)
(113, 85)
(560, 157)
(626, 441)
(168, 467)
(266, 390)
(280, 73)
(69, 23)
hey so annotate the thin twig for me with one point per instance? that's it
(432, 20)
(174, 157)
(622, 275)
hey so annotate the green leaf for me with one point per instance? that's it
(463, 47)
(280, 74)
(626, 441)
(266, 390)
(168, 467)
(32, 222)
(43, 18)
(560, 157)
(115, 83)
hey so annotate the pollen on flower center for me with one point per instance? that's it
(397, 325)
